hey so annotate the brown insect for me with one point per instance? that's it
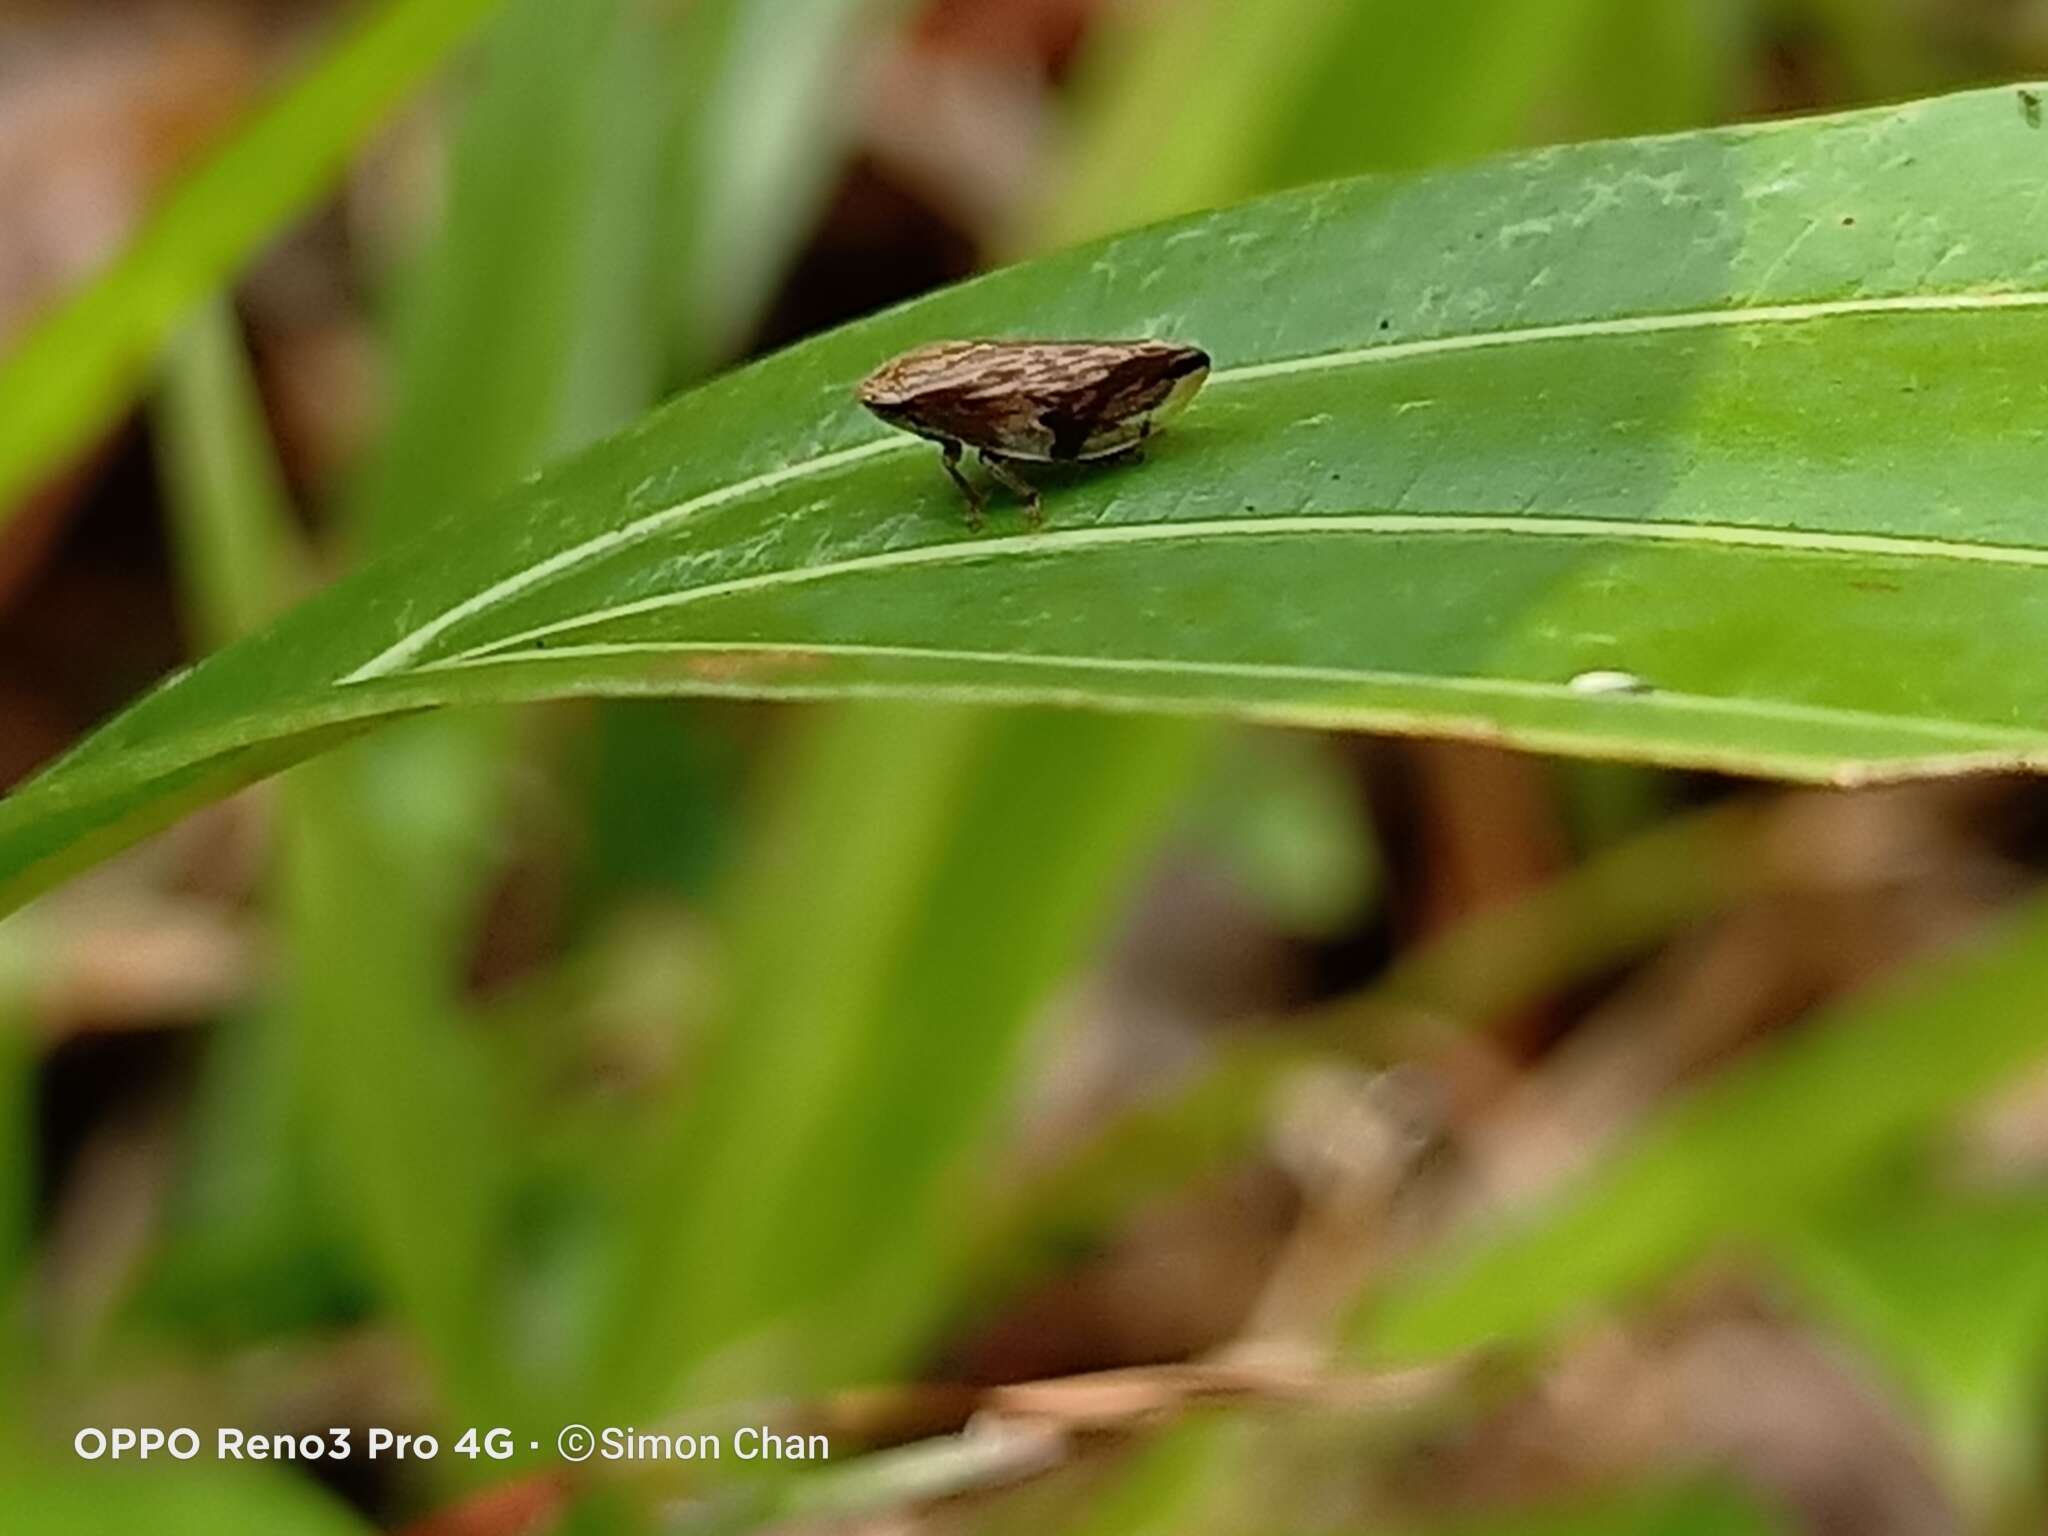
(1034, 402)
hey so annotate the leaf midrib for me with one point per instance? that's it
(399, 655)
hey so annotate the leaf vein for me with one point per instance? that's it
(1057, 541)
(406, 650)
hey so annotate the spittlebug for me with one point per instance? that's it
(1036, 402)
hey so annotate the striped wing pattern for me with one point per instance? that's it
(1049, 400)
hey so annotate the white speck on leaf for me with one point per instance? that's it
(1608, 682)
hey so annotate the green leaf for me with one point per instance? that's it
(76, 367)
(1753, 417)
(1739, 1159)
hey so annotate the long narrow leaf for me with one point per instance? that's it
(240, 561)
(74, 369)
(493, 319)
(1720, 449)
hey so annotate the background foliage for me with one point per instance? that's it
(1385, 1109)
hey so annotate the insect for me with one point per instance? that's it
(1036, 402)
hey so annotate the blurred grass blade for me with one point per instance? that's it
(1213, 99)
(763, 123)
(1661, 68)
(362, 1037)
(1777, 1133)
(1741, 428)
(1879, 51)
(834, 1121)
(249, 1222)
(491, 323)
(76, 367)
(1422, 85)
(1948, 1290)
(1187, 108)
(238, 557)
(614, 371)
(412, 1134)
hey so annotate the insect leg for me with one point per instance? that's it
(949, 455)
(1004, 472)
